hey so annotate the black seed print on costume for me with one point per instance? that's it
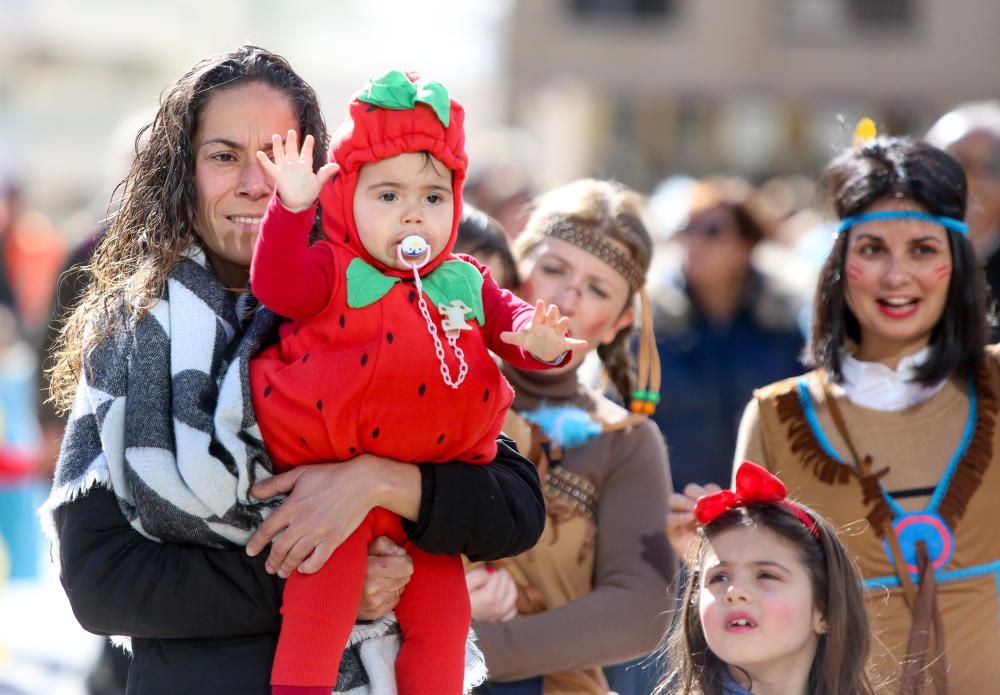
(413, 296)
(364, 359)
(441, 438)
(305, 358)
(341, 321)
(477, 457)
(319, 405)
(353, 450)
(304, 442)
(347, 238)
(388, 336)
(375, 433)
(486, 395)
(267, 392)
(422, 390)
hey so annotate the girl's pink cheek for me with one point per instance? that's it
(781, 613)
(854, 272)
(708, 610)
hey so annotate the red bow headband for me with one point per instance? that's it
(754, 485)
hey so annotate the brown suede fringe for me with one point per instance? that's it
(966, 480)
(970, 471)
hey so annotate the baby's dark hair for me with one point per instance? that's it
(480, 234)
(839, 666)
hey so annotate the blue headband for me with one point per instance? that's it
(949, 223)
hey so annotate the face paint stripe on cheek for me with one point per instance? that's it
(942, 272)
(854, 272)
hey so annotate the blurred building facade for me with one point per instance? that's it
(71, 72)
(635, 89)
(639, 89)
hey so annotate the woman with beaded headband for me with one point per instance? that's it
(895, 427)
(595, 589)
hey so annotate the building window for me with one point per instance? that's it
(837, 20)
(621, 9)
(883, 14)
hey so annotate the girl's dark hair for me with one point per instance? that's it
(609, 209)
(931, 179)
(154, 225)
(839, 665)
(480, 234)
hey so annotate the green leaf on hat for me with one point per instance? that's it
(393, 90)
(435, 95)
(457, 280)
(365, 284)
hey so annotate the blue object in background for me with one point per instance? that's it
(21, 492)
(19, 526)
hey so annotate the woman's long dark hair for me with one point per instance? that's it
(155, 223)
(930, 178)
(839, 665)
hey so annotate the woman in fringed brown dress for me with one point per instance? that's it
(893, 436)
(596, 588)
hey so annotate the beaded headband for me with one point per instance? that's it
(647, 393)
(607, 251)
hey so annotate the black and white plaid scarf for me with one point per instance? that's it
(163, 418)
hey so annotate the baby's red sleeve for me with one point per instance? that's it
(287, 275)
(505, 311)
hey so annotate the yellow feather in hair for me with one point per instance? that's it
(864, 133)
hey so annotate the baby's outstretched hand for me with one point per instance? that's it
(292, 171)
(545, 335)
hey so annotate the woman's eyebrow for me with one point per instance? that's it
(868, 235)
(227, 142)
(925, 239)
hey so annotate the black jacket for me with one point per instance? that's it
(204, 621)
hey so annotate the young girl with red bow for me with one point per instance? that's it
(773, 604)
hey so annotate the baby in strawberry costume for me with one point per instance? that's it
(387, 353)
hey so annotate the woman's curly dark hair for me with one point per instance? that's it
(155, 224)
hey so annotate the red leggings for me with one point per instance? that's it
(320, 609)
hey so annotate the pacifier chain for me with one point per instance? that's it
(411, 248)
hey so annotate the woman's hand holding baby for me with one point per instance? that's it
(545, 336)
(292, 171)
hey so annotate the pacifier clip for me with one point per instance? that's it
(409, 250)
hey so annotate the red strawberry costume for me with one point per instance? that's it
(356, 371)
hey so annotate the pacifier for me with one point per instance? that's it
(411, 248)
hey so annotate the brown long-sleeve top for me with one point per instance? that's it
(916, 445)
(605, 573)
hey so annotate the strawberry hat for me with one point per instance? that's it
(395, 114)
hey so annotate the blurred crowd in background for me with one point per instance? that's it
(721, 111)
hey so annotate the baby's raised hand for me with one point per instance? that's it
(545, 335)
(292, 171)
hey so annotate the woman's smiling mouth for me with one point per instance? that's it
(246, 222)
(898, 307)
